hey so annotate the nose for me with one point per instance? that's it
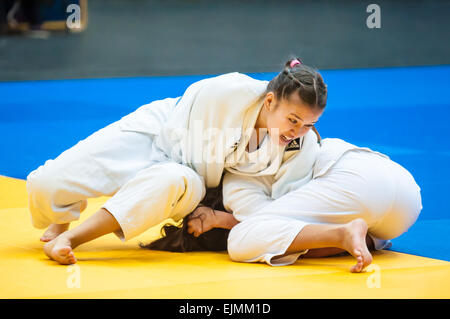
(299, 131)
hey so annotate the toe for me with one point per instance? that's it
(62, 254)
(72, 257)
(64, 251)
(354, 268)
(367, 261)
(358, 266)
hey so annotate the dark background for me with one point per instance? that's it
(127, 38)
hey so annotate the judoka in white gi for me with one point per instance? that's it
(322, 201)
(340, 191)
(157, 161)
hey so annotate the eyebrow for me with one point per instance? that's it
(301, 118)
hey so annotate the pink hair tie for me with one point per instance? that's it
(294, 63)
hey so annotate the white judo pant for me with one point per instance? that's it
(146, 187)
(361, 184)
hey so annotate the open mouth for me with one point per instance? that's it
(284, 140)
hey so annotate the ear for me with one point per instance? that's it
(270, 101)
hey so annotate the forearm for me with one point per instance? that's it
(224, 220)
(245, 196)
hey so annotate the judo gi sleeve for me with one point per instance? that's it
(244, 195)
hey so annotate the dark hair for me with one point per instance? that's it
(177, 239)
(304, 80)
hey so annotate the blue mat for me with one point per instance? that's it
(427, 238)
(402, 112)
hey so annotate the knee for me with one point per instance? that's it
(177, 175)
(408, 205)
(41, 182)
(241, 245)
(41, 188)
(234, 244)
(178, 184)
(48, 187)
(403, 214)
(404, 208)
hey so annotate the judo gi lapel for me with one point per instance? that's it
(221, 112)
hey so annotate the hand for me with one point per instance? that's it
(201, 220)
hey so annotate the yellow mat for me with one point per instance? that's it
(108, 268)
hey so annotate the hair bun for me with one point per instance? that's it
(295, 62)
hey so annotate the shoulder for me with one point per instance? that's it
(233, 76)
(233, 93)
(234, 82)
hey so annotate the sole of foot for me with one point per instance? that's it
(355, 244)
(60, 250)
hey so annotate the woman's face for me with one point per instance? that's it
(288, 119)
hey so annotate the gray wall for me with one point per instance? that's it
(147, 37)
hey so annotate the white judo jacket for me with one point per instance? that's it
(214, 118)
(246, 195)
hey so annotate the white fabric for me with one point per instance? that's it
(297, 170)
(212, 124)
(266, 160)
(149, 118)
(145, 162)
(146, 187)
(245, 195)
(264, 237)
(161, 191)
(357, 183)
(331, 150)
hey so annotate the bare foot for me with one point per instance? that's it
(53, 231)
(355, 243)
(60, 250)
